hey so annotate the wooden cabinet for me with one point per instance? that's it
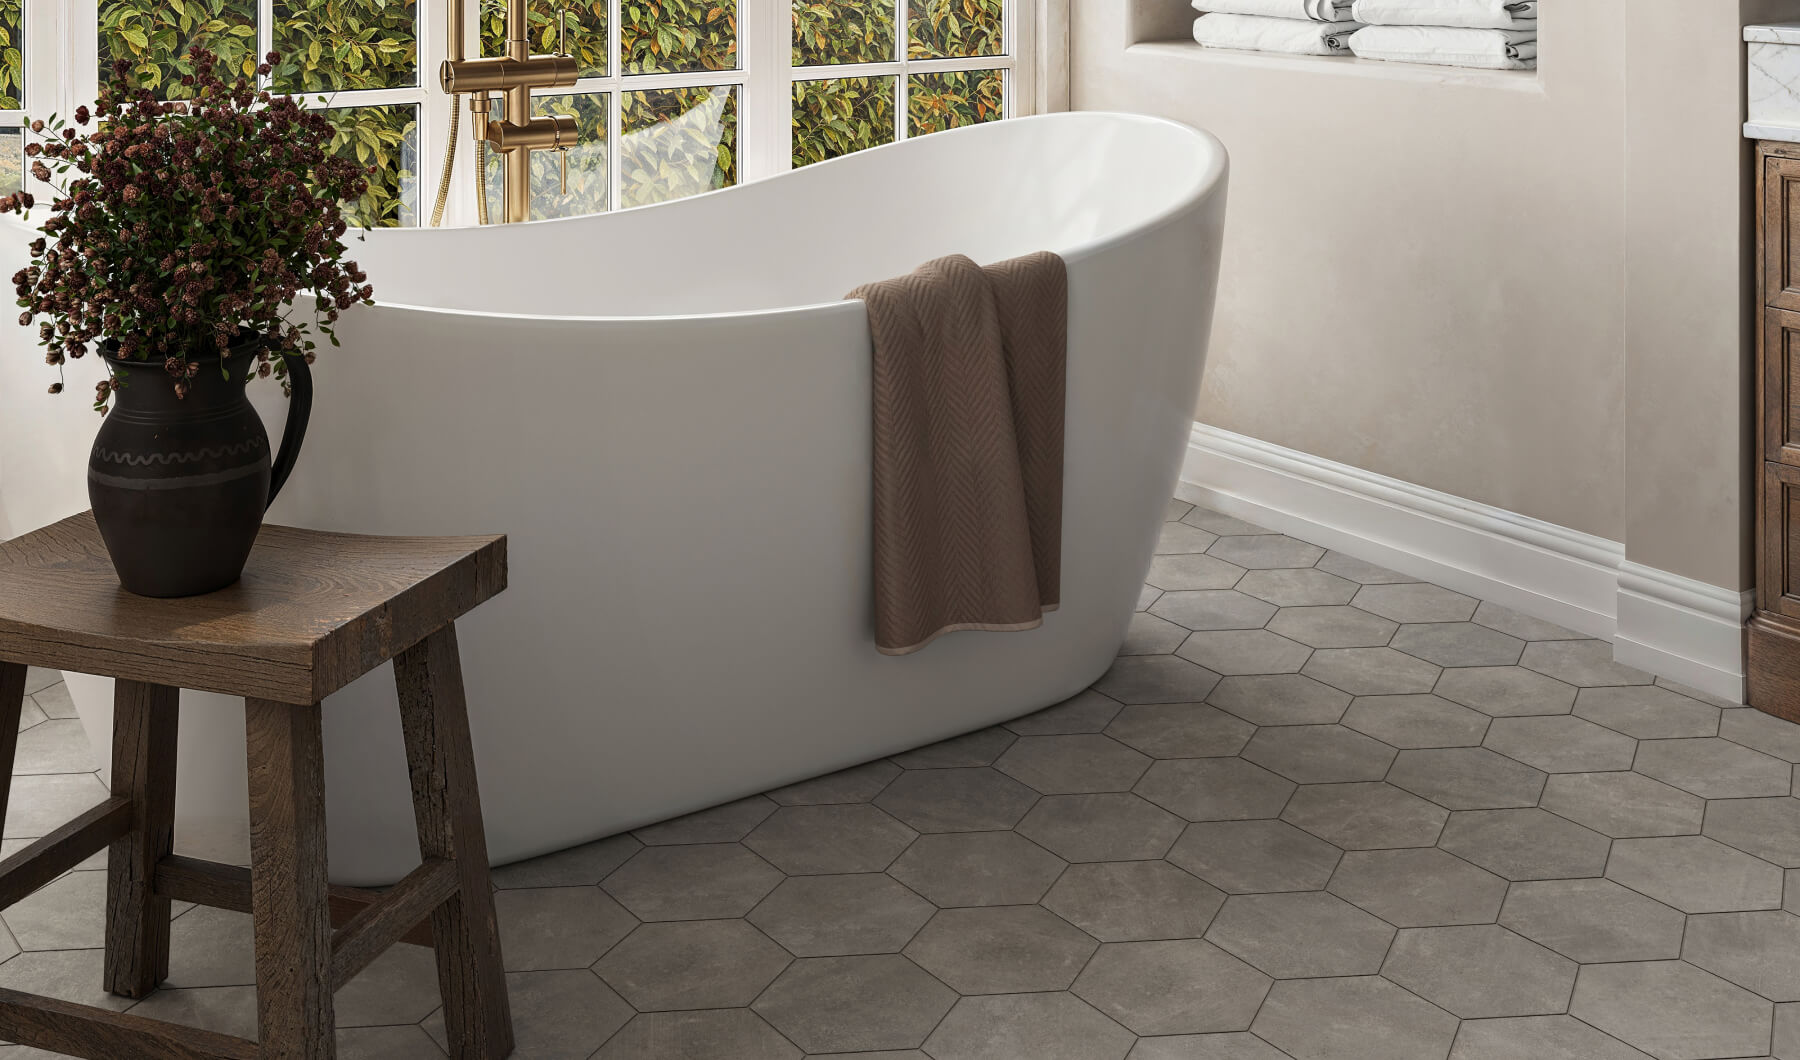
(1774, 635)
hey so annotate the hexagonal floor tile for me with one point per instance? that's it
(1415, 721)
(1319, 754)
(718, 1034)
(1156, 679)
(1001, 950)
(692, 882)
(856, 784)
(582, 866)
(720, 824)
(1333, 626)
(1106, 827)
(1056, 1026)
(1185, 987)
(1581, 662)
(1593, 921)
(1522, 626)
(1280, 699)
(1525, 844)
(1458, 644)
(855, 1004)
(840, 916)
(978, 748)
(1481, 971)
(1265, 551)
(1303, 934)
(1538, 1038)
(1422, 887)
(1177, 538)
(1759, 951)
(1366, 816)
(1623, 805)
(1415, 602)
(1297, 587)
(1767, 828)
(1088, 712)
(1672, 1009)
(1180, 730)
(1255, 857)
(1713, 768)
(1467, 778)
(1371, 671)
(1237, 652)
(1361, 571)
(1761, 732)
(1506, 691)
(812, 840)
(564, 1013)
(558, 927)
(1134, 901)
(1647, 712)
(1149, 635)
(1361, 1018)
(1215, 789)
(1213, 609)
(694, 964)
(1229, 1046)
(1192, 573)
(1561, 743)
(1695, 874)
(1073, 765)
(977, 868)
(956, 800)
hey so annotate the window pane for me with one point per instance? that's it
(587, 30)
(843, 31)
(589, 182)
(670, 36)
(12, 55)
(947, 29)
(153, 36)
(12, 160)
(386, 139)
(330, 45)
(841, 115)
(677, 142)
(936, 102)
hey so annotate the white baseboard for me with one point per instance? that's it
(1677, 628)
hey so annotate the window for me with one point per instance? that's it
(675, 97)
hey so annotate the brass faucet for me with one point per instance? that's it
(516, 133)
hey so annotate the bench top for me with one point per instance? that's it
(314, 610)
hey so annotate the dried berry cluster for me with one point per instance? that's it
(183, 226)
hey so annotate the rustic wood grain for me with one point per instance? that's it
(288, 887)
(217, 886)
(1772, 662)
(447, 806)
(100, 1034)
(12, 705)
(143, 770)
(313, 612)
(63, 849)
(393, 915)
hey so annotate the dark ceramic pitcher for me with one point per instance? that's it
(179, 485)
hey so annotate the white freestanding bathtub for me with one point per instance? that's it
(667, 409)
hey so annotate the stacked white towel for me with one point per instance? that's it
(1486, 34)
(1292, 27)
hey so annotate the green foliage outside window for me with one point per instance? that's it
(589, 181)
(936, 102)
(154, 36)
(337, 45)
(833, 31)
(586, 30)
(673, 36)
(841, 115)
(386, 138)
(12, 160)
(678, 142)
(949, 29)
(12, 57)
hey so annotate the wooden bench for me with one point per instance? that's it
(313, 612)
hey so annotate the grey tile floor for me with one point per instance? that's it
(1317, 810)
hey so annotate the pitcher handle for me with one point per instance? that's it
(299, 411)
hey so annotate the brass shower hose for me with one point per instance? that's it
(443, 192)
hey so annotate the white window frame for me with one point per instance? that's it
(69, 73)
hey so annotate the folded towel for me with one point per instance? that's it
(1258, 33)
(1484, 49)
(1468, 14)
(969, 378)
(1314, 10)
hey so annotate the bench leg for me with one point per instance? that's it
(12, 704)
(143, 770)
(289, 897)
(447, 804)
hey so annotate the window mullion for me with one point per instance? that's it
(764, 136)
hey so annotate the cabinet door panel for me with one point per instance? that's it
(1781, 232)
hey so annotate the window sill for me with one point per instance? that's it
(1417, 73)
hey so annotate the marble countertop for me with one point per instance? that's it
(1773, 81)
(1773, 33)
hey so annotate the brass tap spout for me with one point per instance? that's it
(515, 133)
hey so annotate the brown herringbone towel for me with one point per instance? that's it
(969, 383)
